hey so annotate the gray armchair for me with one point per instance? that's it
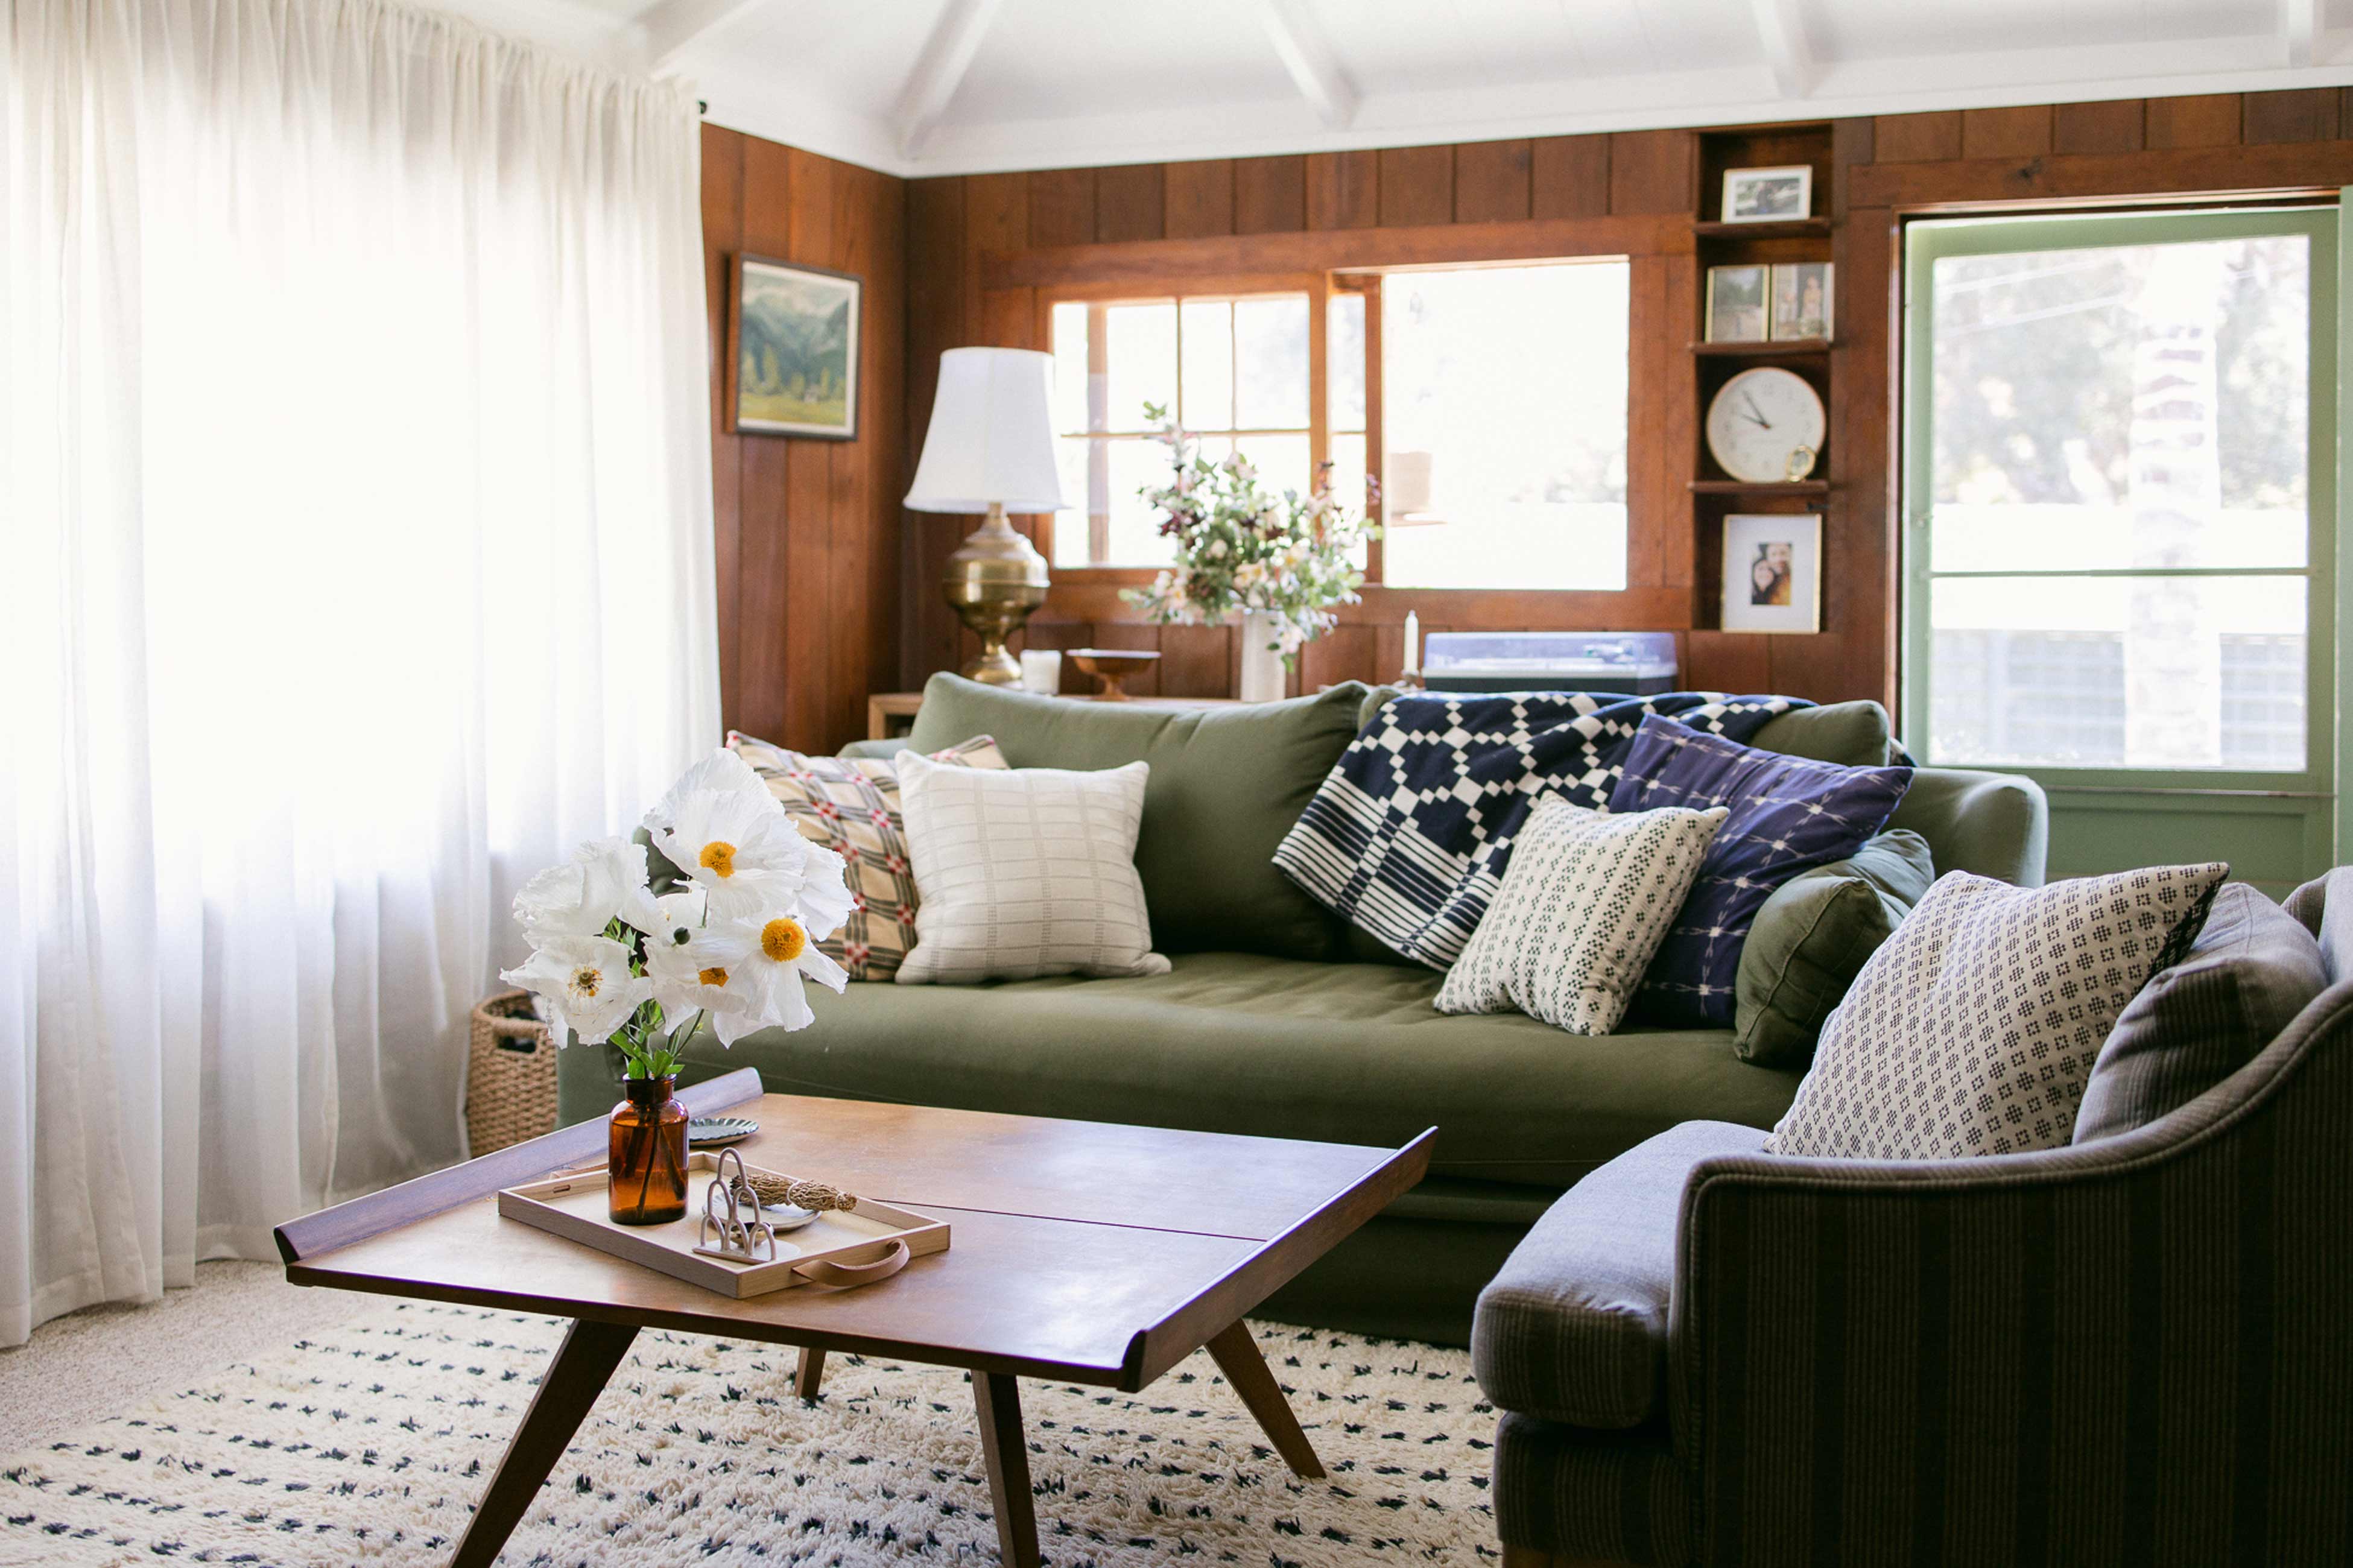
(2126, 1352)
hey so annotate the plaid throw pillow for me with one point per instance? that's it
(851, 807)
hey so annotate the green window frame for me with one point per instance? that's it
(2109, 817)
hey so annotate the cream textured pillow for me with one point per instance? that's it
(1973, 1029)
(1024, 872)
(1585, 902)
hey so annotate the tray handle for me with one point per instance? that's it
(821, 1272)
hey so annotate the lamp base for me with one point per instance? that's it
(994, 665)
(992, 582)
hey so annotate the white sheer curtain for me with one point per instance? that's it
(354, 466)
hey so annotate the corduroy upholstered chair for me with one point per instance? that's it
(2132, 1351)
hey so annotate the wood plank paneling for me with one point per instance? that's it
(1201, 199)
(1417, 187)
(2021, 133)
(1061, 206)
(2203, 120)
(1269, 195)
(2304, 115)
(1916, 138)
(1568, 177)
(2098, 127)
(1650, 172)
(1344, 190)
(1130, 202)
(1492, 181)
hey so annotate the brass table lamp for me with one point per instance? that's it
(990, 448)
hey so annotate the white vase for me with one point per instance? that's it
(1262, 668)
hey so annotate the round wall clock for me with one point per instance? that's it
(1765, 426)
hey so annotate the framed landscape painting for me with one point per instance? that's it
(792, 350)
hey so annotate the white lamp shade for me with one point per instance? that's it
(991, 441)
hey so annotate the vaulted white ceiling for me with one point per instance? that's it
(932, 86)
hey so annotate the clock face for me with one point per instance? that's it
(1759, 422)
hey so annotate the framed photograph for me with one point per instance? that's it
(1773, 571)
(1801, 300)
(792, 350)
(1769, 195)
(1736, 304)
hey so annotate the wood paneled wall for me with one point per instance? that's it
(978, 246)
(809, 548)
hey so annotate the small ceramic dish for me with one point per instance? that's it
(713, 1131)
(785, 1216)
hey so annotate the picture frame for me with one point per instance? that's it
(1782, 194)
(1802, 304)
(794, 336)
(1773, 571)
(1738, 304)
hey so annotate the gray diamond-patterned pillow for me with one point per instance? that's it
(1973, 1030)
(1583, 905)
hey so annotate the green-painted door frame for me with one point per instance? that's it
(2276, 828)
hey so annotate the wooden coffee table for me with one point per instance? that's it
(1082, 1252)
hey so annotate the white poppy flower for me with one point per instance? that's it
(724, 772)
(769, 958)
(604, 877)
(745, 853)
(697, 973)
(586, 981)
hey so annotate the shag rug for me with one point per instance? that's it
(369, 1444)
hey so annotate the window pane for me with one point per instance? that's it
(1270, 364)
(1070, 368)
(2121, 407)
(1071, 522)
(1344, 353)
(1281, 461)
(1504, 403)
(1134, 527)
(2110, 673)
(1348, 482)
(1208, 365)
(1141, 343)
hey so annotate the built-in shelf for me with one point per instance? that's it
(1769, 347)
(1784, 229)
(1760, 488)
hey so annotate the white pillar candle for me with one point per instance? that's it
(1413, 640)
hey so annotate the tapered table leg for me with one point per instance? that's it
(809, 1376)
(997, 1400)
(1237, 1356)
(583, 1361)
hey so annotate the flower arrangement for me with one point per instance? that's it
(1240, 547)
(732, 942)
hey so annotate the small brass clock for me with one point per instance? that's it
(1765, 426)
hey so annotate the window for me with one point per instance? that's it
(2114, 489)
(1498, 394)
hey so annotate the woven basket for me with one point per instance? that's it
(509, 1074)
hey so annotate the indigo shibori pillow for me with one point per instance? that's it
(1786, 815)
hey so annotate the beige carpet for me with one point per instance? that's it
(367, 1440)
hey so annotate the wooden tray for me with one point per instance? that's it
(829, 1250)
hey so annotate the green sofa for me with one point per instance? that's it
(1278, 1020)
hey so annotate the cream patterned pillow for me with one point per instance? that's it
(1585, 902)
(1025, 872)
(851, 804)
(1972, 1030)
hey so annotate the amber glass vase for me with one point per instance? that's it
(648, 1153)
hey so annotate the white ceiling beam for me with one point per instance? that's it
(940, 69)
(2300, 23)
(672, 26)
(1308, 56)
(1786, 51)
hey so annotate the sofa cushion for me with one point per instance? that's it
(1851, 735)
(1574, 1327)
(1227, 784)
(2251, 970)
(1812, 937)
(1973, 1030)
(1237, 1043)
(1787, 815)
